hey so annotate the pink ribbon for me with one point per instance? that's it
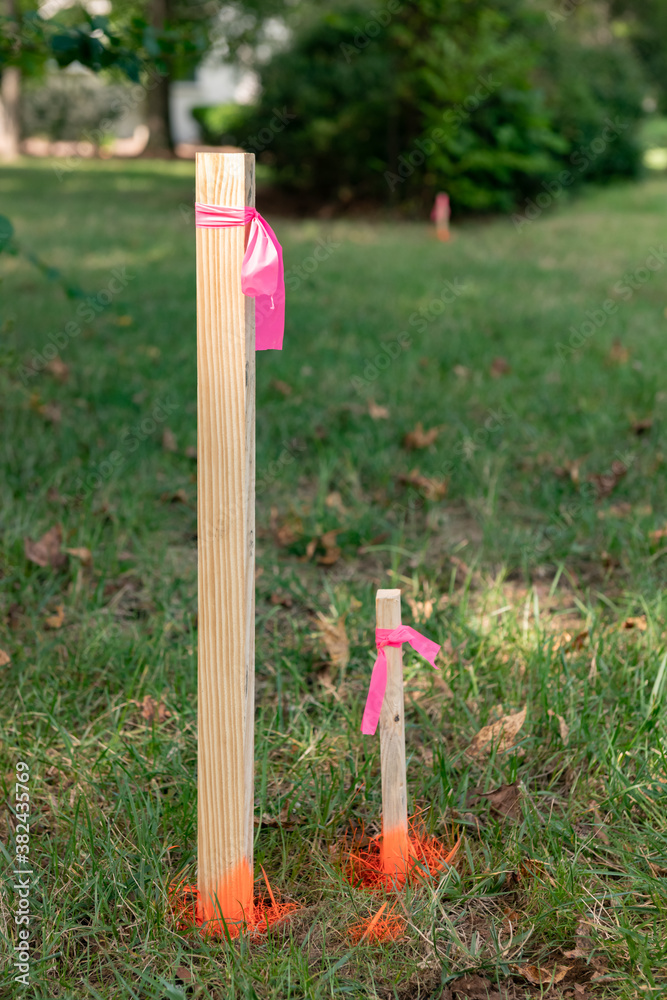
(262, 271)
(391, 637)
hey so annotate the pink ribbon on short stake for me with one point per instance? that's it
(391, 637)
(262, 271)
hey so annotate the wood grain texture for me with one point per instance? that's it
(226, 542)
(392, 741)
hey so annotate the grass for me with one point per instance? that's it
(545, 586)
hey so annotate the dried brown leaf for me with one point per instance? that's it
(500, 735)
(58, 369)
(151, 711)
(618, 353)
(282, 387)
(280, 598)
(169, 440)
(182, 973)
(419, 438)
(421, 610)
(177, 496)
(639, 623)
(499, 367)
(5, 658)
(376, 411)
(433, 489)
(540, 976)
(504, 800)
(563, 727)
(47, 551)
(606, 482)
(332, 552)
(56, 620)
(335, 640)
(84, 555)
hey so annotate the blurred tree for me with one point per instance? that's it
(644, 23)
(153, 42)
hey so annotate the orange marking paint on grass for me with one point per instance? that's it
(378, 928)
(396, 853)
(257, 916)
(427, 857)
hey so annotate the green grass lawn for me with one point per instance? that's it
(522, 533)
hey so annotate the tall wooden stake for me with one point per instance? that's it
(395, 843)
(226, 546)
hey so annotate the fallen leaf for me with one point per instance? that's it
(280, 598)
(499, 367)
(540, 976)
(618, 353)
(657, 535)
(335, 640)
(563, 727)
(638, 623)
(461, 371)
(5, 658)
(51, 412)
(58, 369)
(184, 974)
(570, 470)
(421, 610)
(376, 411)
(286, 532)
(169, 440)
(504, 800)
(605, 482)
(500, 735)
(325, 679)
(332, 551)
(419, 438)
(334, 501)
(640, 427)
(56, 620)
(282, 387)
(84, 555)
(151, 711)
(433, 489)
(47, 551)
(178, 496)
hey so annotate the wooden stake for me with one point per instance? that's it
(395, 843)
(226, 546)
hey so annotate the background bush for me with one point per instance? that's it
(367, 86)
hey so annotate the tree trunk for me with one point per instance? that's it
(160, 139)
(10, 93)
(158, 121)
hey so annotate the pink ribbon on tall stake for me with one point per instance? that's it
(262, 271)
(391, 637)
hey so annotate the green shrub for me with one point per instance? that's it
(488, 102)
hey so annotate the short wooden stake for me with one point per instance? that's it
(226, 546)
(395, 843)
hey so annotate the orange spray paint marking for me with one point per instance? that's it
(191, 912)
(230, 904)
(427, 857)
(396, 854)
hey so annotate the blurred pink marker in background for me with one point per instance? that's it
(440, 215)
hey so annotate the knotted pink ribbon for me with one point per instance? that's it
(262, 271)
(391, 637)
